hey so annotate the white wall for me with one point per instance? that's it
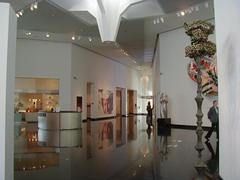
(175, 81)
(43, 59)
(74, 67)
(7, 81)
(104, 73)
(227, 15)
(156, 80)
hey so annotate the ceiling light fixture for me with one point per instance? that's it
(154, 21)
(182, 13)
(158, 21)
(162, 19)
(31, 7)
(47, 35)
(90, 39)
(19, 13)
(28, 33)
(35, 5)
(73, 38)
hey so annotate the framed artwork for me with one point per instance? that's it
(105, 101)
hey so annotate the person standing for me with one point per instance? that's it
(149, 113)
(213, 117)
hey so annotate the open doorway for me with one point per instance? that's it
(89, 99)
(118, 101)
(132, 101)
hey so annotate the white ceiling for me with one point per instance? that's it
(136, 36)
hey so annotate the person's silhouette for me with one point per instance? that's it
(149, 131)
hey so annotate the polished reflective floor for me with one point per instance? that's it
(114, 149)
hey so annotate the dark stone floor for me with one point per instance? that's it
(113, 149)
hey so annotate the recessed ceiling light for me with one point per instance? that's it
(182, 13)
(154, 21)
(47, 35)
(90, 39)
(73, 38)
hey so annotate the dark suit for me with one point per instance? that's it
(213, 117)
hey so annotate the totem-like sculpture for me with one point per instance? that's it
(200, 47)
(163, 105)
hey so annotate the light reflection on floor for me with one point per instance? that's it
(122, 148)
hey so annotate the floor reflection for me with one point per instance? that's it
(213, 162)
(121, 148)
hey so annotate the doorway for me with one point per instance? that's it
(89, 99)
(132, 101)
(118, 102)
(79, 104)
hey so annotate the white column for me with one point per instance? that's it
(227, 15)
(7, 82)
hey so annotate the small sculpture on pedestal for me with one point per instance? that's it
(163, 105)
(164, 123)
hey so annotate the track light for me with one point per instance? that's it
(182, 13)
(35, 5)
(162, 19)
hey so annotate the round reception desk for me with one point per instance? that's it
(65, 120)
(59, 129)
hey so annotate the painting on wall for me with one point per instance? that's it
(105, 101)
(209, 75)
(105, 134)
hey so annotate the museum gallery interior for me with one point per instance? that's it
(119, 89)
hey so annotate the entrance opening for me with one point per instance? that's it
(118, 102)
(132, 101)
(89, 99)
(33, 95)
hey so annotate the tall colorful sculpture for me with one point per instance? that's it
(199, 49)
